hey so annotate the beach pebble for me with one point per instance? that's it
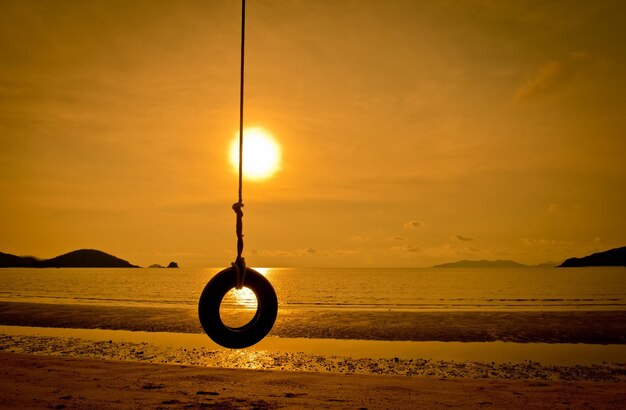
(248, 359)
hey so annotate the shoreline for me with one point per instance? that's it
(556, 354)
(296, 358)
(589, 327)
(30, 381)
(74, 367)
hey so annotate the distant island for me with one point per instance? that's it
(612, 257)
(482, 264)
(493, 264)
(171, 265)
(83, 258)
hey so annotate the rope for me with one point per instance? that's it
(240, 264)
(243, 38)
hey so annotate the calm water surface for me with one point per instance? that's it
(370, 289)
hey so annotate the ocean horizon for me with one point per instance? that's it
(391, 289)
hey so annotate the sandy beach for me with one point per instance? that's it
(29, 381)
(73, 372)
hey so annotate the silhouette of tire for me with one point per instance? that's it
(250, 333)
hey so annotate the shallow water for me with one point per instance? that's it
(593, 327)
(499, 352)
(416, 289)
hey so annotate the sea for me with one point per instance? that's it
(562, 316)
(375, 289)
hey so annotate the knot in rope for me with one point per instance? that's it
(240, 263)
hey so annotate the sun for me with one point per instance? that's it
(261, 154)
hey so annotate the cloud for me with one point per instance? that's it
(310, 252)
(579, 55)
(450, 251)
(412, 225)
(550, 77)
(556, 208)
(547, 79)
(288, 253)
(543, 242)
(406, 248)
(359, 238)
(395, 238)
(306, 253)
(269, 252)
(463, 238)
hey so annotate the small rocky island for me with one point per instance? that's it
(170, 265)
(82, 258)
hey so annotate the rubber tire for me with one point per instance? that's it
(250, 333)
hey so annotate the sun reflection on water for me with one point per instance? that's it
(238, 306)
(263, 271)
(241, 298)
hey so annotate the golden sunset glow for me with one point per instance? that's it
(434, 190)
(261, 154)
(238, 307)
(242, 298)
(402, 133)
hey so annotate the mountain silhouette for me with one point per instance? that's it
(11, 261)
(612, 257)
(83, 258)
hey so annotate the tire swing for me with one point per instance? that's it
(250, 333)
(238, 275)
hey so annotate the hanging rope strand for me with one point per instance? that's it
(240, 264)
(209, 306)
(243, 38)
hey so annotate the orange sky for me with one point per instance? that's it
(413, 132)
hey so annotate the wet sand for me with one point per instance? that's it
(277, 357)
(597, 327)
(29, 381)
